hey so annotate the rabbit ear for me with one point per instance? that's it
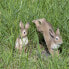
(27, 26)
(57, 31)
(52, 34)
(42, 20)
(21, 25)
(36, 22)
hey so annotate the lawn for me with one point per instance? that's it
(11, 12)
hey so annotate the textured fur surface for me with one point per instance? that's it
(21, 42)
(52, 39)
(55, 46)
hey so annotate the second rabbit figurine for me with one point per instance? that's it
(23, 39)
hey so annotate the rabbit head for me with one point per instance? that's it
(23, 30)
(56, 38)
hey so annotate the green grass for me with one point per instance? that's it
(11, 12)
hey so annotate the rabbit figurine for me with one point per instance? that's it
(23, 39)
(53, 40)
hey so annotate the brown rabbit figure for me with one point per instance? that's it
(52, 39)
(23, 39)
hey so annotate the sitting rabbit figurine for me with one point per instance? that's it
(53, 40)
(23, 39)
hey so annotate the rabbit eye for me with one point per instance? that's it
(57, 38)
(24, 32)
